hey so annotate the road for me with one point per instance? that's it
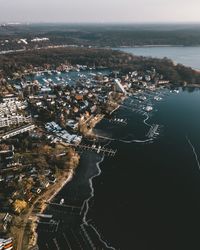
(45, 197)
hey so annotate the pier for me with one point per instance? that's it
(98, 149)
(63, 205)
(45, 216)
(118, 121)
(94, 147)
(153, 131)
(50, 227)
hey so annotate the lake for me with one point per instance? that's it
(147, 197)
(188, 56)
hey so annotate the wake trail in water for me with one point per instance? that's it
(146, 119)
(194, 151)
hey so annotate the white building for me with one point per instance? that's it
(119, 86)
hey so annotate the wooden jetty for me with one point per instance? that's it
(45, 216)
(153, 131)
(63, 205)
(118, 121)
(98, 149)
(94, 147)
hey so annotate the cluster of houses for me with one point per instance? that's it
(62, 134)
(12, 111)
(21, 182)
(51, 106)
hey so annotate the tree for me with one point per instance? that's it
(19, 206)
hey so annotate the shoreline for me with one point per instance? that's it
(44, 206)
(58, 189)
(155, 45)
(41, 204)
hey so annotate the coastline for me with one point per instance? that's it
(41, 204)
(155, 45)
(64, 181)
(44, 206)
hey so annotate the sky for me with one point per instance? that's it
(100, 11)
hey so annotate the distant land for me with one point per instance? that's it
(24, 46)
(102, 35)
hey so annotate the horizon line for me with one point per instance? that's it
(100, 23)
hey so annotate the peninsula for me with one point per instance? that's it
(51, 99)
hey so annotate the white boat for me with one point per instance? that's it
(57, 78)
(176, 91)
(157, 98)
(7, 241)
(143, 98)
(62, 201)
(99, 149)
(148, 108)
(45, 80)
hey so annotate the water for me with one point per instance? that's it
(188, 56)
(148, 196)
(69, 78)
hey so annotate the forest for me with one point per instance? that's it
(101, 35)
(112, 59)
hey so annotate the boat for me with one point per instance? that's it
(45, 80)
(62, 201)
(157, 98)
(176, 91)
(148, 108)
(142, 98)
(99, 149)
(6, 241)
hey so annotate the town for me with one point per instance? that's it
(47, 116)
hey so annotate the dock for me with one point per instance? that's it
(98, 149)
(153, 131)
(94, 147)
(50, 227)
(45, 216)
(63, 205)
(119, 121)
